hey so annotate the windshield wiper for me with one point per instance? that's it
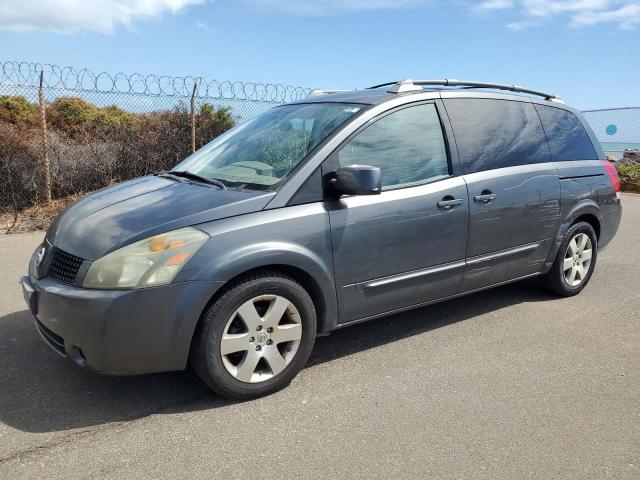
(196, 177)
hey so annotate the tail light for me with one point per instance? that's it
(613, 175)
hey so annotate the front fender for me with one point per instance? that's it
(298, 238)
(249, 257)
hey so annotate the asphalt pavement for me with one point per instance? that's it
(510, 383)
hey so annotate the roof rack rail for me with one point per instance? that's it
(416, 85)
(318, 92)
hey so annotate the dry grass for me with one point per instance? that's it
(37, 217)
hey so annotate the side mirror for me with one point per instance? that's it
(357, 180)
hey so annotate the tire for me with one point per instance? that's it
(558, 279)
(266, 339)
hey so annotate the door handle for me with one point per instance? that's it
(485, 197)
(449, 202)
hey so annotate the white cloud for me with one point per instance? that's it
(577, 13)
(203, 26)
(627, 16)
(327, 7)
(67, 16)
(103, 16)
(523, 13)
(488, 5)
(521, 25)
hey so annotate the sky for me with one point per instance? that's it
(586, 51)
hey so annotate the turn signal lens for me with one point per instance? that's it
(158, 244)
(162, 243)
(178, 259)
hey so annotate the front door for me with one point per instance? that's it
(405, 246)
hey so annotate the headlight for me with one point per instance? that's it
(148, 263)
(36, 258)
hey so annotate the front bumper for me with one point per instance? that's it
(119, 332)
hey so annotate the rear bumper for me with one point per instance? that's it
(609, 223)
(115, 331)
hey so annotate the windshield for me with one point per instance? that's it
(260, 153)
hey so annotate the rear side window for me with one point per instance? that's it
(568, 140)
(407, 145)
(496, 133)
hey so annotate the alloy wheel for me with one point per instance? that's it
(261, 338)
(577, 259)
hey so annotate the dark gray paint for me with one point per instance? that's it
(585, 190)
(525, 210)
(131, 211)
(365, 97)
(125, 332)
(393, 233)
(365, 256)
(296, 236)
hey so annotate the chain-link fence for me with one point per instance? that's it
(138, 93)
(66, 131)
(102, 128)
(617, 129)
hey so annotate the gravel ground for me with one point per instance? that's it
(507, 383)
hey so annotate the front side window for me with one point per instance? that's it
(407, 146)
(260, 153)
(494, 134)
(568, 140)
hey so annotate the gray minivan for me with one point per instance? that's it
(332, 210)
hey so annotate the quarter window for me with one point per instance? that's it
(568, 140)
(496, 133)
(407, 146)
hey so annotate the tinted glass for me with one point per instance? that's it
(496, 133)
(406, 145)
(260, 153)
(567, 137)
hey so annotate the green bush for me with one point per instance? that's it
(113, 116)
(629, 176)
(17, 111)
(70, 114)
(211, 122)
(75, 116)
(91, 147)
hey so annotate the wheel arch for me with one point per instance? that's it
(298, 274)
(295, 261)
(586, 210)
(592, 220)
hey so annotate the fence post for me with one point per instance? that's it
(193, 118)
(45, 142)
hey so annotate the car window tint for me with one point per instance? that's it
(496, 133)
(567, 137)
(407, 146)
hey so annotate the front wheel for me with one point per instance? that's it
(256, 337)
(574, 262)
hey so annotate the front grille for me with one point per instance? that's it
(64, 266)
(55, 341)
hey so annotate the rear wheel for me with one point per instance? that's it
(256, 337)
(574, 262)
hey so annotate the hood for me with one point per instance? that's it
(116, 216)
